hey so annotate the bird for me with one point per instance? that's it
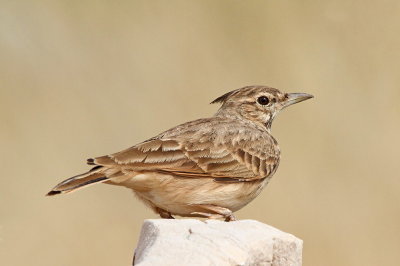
(205, 168)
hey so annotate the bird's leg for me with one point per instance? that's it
(207, 215)
(215, 212)
(164, 214)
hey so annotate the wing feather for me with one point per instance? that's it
(203, 149)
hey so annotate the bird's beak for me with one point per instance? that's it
(292, 98)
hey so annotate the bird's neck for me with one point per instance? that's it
(235, 115)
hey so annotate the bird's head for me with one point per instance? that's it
(259, 104)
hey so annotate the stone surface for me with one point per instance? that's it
(194, 242)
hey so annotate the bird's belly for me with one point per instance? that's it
(181, 195)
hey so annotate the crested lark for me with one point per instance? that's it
(209, 167)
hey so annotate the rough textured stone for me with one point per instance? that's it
(194, 242)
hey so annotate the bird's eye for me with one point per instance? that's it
(263, 100)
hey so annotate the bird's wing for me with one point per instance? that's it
(154, 154)
(201, 152)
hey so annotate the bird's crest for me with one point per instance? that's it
(222, 99)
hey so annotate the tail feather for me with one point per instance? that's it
(95, 175)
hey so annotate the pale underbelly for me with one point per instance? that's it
(181, 195)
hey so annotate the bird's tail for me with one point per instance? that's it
(95, 175)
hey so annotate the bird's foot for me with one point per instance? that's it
(214, 212)
(230, 218)
(164, 214)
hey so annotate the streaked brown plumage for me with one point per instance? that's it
(209, 167)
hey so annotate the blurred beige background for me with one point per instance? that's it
(86, 78)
